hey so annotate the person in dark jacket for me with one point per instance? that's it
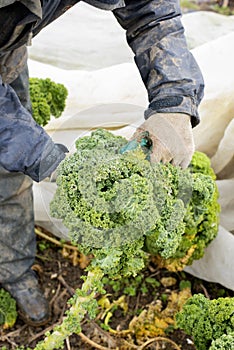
(175, 88)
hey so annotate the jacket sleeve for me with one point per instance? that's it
(24, 146)
(169, 71)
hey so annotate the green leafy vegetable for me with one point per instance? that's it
(225, 342)
(208, 321)
(8, 313)
(120, 206)
(48, 98)
(201, 218)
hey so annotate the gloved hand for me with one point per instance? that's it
(171, 134)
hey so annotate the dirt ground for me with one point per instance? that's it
(59, 278)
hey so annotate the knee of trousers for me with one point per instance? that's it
(17, 237)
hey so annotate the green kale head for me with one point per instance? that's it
(120, 207)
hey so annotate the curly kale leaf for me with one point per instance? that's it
(225, 342)
(206, 320)
(201, 218)
(8, 313)
(47, 98)
(200, 163)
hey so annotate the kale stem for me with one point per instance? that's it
(81, 304)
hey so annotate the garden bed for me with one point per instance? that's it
(59, 270)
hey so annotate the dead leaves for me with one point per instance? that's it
(155, 321)
(172, 264)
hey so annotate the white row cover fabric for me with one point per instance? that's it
(118, 98)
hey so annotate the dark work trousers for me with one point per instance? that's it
(17, 237)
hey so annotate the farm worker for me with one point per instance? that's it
(175, 88)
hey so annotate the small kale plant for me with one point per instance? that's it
(209, 322)
(8, 313)
(47, 98)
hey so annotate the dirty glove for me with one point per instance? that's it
(171, 134)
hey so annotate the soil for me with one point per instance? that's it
(59, 277)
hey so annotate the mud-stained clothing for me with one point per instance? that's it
(17, 238)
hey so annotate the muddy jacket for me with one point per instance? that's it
(154, 33)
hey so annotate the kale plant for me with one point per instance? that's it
(210, 322)
(8, 313)
(119, 207)
(47, 98)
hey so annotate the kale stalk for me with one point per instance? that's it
(82, 302)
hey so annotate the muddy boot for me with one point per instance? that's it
(32, 305)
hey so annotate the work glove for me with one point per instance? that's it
(172, 138)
